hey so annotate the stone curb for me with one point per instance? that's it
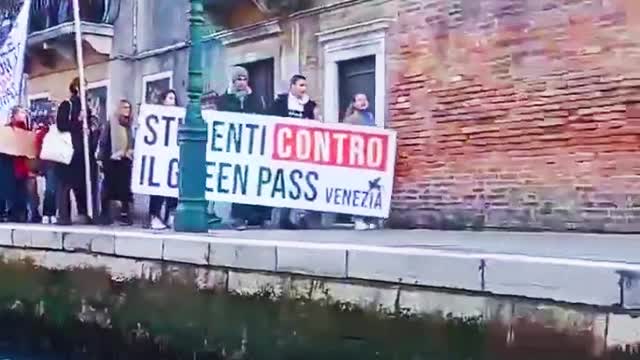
(598, 283)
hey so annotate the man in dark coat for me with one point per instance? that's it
(298, 105)
(241, 99)
(72, 176)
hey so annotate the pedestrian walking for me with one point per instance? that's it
(358, 113)
(298, 105)
(115, 152)
(239, 98)
(72, 177)
(156, 220)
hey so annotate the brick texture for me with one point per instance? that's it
(516, 114)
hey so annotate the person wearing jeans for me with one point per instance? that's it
(33, 199)
(49, 208)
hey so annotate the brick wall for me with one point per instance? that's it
(519, 114)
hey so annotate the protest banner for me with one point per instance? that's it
(13, 41)
(18, 142)
(272, 161)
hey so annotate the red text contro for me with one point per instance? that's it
(346, 148)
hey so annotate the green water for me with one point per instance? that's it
(84, 315)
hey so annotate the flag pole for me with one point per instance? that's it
(83, 106)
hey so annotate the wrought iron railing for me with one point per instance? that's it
(46, 14)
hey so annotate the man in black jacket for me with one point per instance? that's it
(240, 98)
(72, 177)
(298, 105)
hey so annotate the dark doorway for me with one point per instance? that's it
(261, 79)
(356, 76)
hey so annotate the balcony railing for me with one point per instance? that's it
(46, 14)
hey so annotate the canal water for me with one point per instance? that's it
(83, 314)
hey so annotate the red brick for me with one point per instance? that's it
(563, 120)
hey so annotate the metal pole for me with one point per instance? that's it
(191, 215)
(83, 106)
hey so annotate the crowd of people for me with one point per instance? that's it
(111, 151)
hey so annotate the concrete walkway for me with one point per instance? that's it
(601, 270)
(617, 248)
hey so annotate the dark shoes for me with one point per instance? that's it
(64, 222)
(125, 220)
(105, 220)
(240, 224)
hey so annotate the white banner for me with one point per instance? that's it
(13, 41)
(272, 161)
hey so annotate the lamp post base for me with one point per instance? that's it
(192, 216)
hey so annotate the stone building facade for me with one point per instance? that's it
(515, 114)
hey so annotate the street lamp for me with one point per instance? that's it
(191, 215)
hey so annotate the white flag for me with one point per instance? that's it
(13, 41)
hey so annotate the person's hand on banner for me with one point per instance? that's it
(117, 156)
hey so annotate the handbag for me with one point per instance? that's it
(57, 146)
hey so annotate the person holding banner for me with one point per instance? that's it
(70, 177)
(156, 221)
(239, 98)
(298, 105)
(115, 151)
(358, 113)
(19, 199)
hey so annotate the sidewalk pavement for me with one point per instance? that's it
(593, 269)
(596, 247)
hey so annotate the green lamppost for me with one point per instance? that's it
(191, 215)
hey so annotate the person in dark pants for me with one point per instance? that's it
(240, 98)
(4, 215)
(156, 221)
(7, 185)
(72, 177)
(115, 151)
(298, 105)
